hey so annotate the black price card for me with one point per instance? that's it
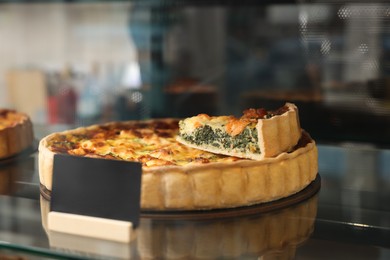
(94, 187)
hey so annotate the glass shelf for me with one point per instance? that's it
(350, 214)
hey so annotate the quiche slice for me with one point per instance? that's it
(257, 134)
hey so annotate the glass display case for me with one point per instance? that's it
(78, 63)
(348, 217)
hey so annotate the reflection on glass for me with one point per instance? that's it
(11, 171)
(273, 234)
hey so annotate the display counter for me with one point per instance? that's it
(348, 217)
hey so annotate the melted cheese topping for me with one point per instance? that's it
(153, 144)
(191, 123)
(228, 124)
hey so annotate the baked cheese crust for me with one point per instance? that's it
(178, 177)
(256, 135)
(16, 133)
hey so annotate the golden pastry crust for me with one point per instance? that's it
(16, 133)
(212, 185)
(280, 133)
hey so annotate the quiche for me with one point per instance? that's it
(16, 132)
(177, 177)
(255, 135)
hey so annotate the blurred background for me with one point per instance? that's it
(81, 62)
(74, 63)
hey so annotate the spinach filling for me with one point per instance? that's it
(206, 135)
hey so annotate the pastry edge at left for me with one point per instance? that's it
(16, 138)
